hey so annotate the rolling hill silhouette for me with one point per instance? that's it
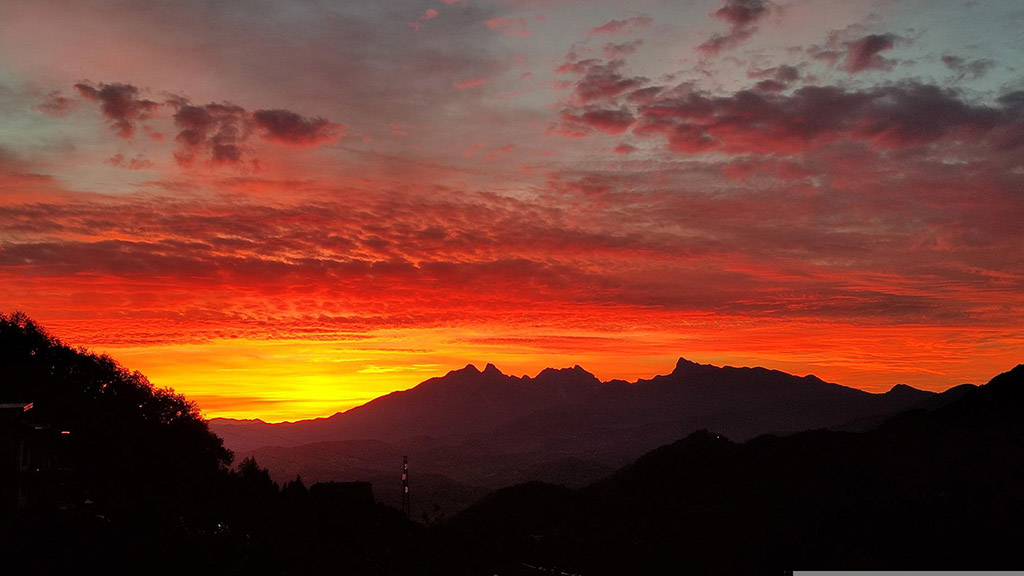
(939, 487)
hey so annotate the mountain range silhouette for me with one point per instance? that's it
(474, 430)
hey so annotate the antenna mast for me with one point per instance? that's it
(405, 486)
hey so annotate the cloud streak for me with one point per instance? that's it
(513, 27)
(614, 27)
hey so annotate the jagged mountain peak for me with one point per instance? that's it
(683, 366)
(468, 369)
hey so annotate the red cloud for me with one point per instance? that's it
(509, 26)
(608, 121)
(55, 105)
(863, 54)
(119, 160)
(856, 55)
(600, 81)
(765, 120)
(784, 74)
(287, 127)
(742, 17)
(469, 83)
(742, 12)
(614, 51)
(217, 129)
(120, 104)
(620, 26)
(893, 116)
(428, 14)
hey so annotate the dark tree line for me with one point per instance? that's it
(145, 487)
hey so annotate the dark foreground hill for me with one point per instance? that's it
(473, 430)
(930, 489)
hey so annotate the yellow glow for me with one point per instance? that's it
(278, 380)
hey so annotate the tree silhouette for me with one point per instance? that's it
(154, 493)
(144, 467)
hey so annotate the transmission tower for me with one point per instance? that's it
(405, 486)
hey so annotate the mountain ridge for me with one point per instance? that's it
(473, 401)
(682, 366)
(478, 428)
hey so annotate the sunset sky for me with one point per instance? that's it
(283, 209)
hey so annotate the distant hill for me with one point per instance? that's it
(940, 487)
(485, 429)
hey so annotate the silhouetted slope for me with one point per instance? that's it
(914, 399)
(930, 489)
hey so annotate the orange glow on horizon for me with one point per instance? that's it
(292, 214)
(286, 380)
